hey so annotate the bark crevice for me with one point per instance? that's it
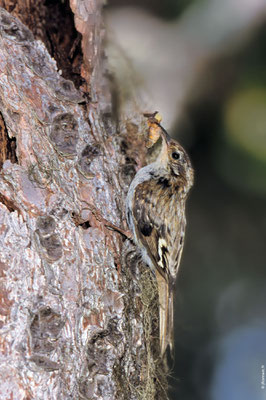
(7, 144)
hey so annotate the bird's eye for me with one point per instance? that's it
(175, 155)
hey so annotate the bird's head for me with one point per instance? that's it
(175, 158)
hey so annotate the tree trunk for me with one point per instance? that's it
(79, 311)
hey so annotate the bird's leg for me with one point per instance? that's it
(123, 232)
(97, 214)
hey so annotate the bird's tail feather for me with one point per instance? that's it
(166, 312)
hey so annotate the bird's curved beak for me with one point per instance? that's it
(163, 156)
(165, 136)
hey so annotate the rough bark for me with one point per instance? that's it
(78, 310)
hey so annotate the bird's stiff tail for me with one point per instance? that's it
(166, 312)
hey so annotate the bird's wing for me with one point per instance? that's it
(159, 223)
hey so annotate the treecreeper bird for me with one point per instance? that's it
(155, 211)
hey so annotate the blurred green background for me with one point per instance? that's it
(218, 112)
